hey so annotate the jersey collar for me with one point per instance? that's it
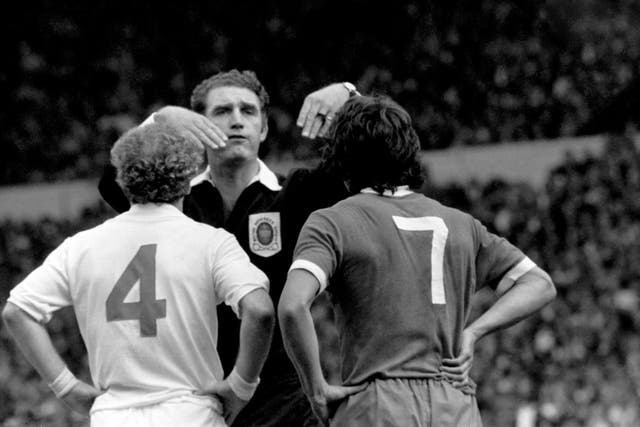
(163, 209)
(401, 191)
(265, 176)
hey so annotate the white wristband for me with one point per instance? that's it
(240, 387)
(63, 383)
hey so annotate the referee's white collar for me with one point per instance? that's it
(401, 191)
(265, 176)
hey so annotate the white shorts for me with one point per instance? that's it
(188, 411)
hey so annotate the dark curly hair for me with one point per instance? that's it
(372, 143)
(155, 164)
(246, 79)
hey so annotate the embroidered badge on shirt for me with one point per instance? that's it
(264, 233)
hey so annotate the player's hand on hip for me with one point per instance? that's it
(193, 126)
(81, 397)
(326, 404)
(319, 108)
(457, 369)
(231, 404)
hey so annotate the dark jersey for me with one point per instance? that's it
(266, 222)
(401, 272)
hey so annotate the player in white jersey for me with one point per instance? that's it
(144, 287)
(401, 269)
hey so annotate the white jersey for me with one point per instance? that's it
(144, 286)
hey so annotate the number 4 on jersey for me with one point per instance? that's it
(141, 268)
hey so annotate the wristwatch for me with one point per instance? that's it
(351, 89)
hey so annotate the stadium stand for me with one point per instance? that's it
(493, 71)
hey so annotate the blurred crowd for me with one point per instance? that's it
(577, 363)
(490, 71)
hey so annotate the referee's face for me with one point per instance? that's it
(236, 111)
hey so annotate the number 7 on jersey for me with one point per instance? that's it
(438, 243)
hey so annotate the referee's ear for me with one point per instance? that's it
(265, 129)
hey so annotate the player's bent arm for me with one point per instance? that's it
(256, 329)
(301, 343)
(34, 341)
(530, 292)
(298, 331)
(516, 300)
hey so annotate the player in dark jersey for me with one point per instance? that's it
(401, 270)
(239, 193)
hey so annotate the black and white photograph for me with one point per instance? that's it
(320, 213)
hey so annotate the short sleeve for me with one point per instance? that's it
(234, 275)
(497, 258)
(46, 289)
(319, 247)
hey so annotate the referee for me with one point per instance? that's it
(265, 212)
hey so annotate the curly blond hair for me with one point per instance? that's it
(155, 163)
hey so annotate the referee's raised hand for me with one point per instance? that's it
(193, 126)
(319, 107)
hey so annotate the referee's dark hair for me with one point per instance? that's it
(246, 79)
(372, 143)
